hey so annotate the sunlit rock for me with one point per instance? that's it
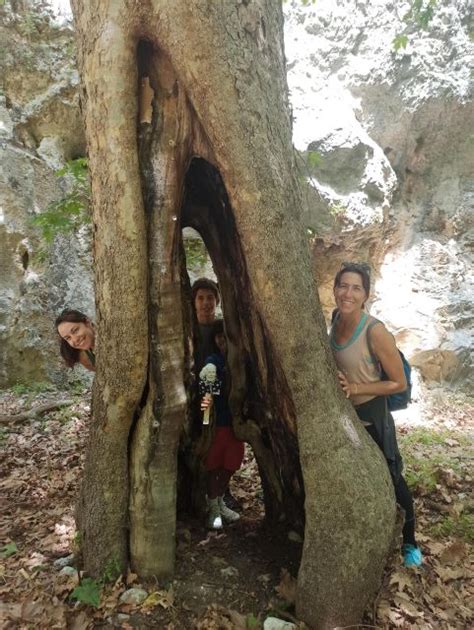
(406, 204)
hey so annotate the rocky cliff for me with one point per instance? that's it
(41, 128)
(385, 137)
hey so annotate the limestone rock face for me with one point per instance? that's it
(394, 170)
(386, 142)
(41, 129)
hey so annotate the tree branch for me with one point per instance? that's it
(35, 411)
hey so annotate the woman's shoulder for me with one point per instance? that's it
(374, 323)
(378, 334)
(87, 360)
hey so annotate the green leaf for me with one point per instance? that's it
(71, 212)
(252, 622)
(314, 159)
(8, 550)
(400, 41)
(88, 592)
(196, 253)
(421, 13)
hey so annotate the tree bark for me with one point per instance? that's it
(217, 70)
(164, 150)
(107, 53)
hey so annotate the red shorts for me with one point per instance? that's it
(226, 451)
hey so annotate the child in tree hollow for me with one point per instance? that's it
(226, 452)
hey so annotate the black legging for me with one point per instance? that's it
(382, 430)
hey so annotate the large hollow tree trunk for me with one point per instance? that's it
(217, 75)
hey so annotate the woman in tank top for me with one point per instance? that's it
(77, 338)
(359, 372)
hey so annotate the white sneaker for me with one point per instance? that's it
(227, 514)
(214, 520)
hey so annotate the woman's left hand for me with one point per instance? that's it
(349, 389)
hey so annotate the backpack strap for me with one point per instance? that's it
(374, 321)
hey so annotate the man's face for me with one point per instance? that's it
(205, 305)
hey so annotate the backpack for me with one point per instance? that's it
(401, 400)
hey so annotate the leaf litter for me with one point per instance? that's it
(232, 579)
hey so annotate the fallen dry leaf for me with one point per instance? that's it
(454, 552)
(165, 599)
(81, 622)
(239, 621)
(131, 577)
(402, 581)
(449, 574)
(287, 587)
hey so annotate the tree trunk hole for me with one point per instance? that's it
(182, 189)
(207, 209)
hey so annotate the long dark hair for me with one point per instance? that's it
(69, 354)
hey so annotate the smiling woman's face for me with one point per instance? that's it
(350, 294)
(79, 335)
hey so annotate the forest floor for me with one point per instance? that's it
(228, 580)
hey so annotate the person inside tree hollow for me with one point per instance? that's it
(206, 298)
(77, 338)
(362, 347)
(226, 452)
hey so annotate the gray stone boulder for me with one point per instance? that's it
(42, 128)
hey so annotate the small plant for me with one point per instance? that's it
(421, 12)
(459, 526)
(314, 159)
(196, 253)
(112, 571)
(420, 476)
(76, 543)
(419, 15)
(252, 622)
(3, 436)
(430, 437)
(63, 415)
(337, 209)
(423, 473)
(20, 389)
(399, 41)
(77, 388)
(88, 592)
(72, 211)
(10, 549)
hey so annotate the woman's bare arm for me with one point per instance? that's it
(383, 345)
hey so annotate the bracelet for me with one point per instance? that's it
(356, 389)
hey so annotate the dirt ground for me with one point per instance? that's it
(237, 577)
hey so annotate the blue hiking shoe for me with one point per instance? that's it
(412, 556)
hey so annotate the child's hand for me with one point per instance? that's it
(206, 402)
